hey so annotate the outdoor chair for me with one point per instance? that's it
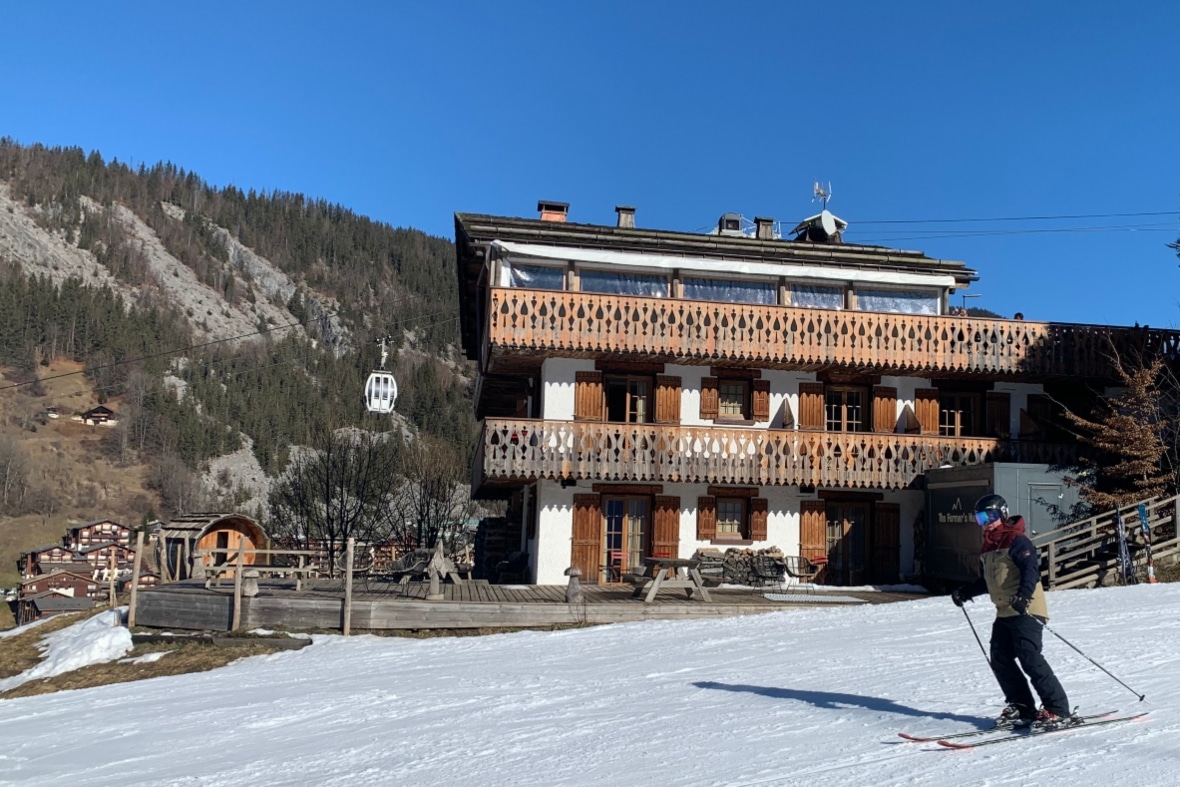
(800, 569)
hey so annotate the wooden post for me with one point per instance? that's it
(348, 553)
(135, 579)
(238, 563)
(299, 576)
(111, 576)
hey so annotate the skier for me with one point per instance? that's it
(1011, 576)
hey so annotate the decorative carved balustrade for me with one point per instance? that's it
(582, 323)
(515, 450)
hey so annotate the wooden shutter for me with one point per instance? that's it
(586, 552)
(758, 516)
(761, 396)
(709, 400)
(813, 529)
(926, 408)
(706, 518)
(886, 543)
(811, 405)
(884, 409)
(588, 397)
(999, 414)
(667, 399)
(665, 536)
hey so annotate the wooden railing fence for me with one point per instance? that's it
(1085, 553)
(583, 323)
(527, 449)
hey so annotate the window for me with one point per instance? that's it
(731, 518)
(844, 409)
(537, 277)
(624, 283)
(730, 291)
(812, 296)
(733, 397)
(958, 415)
(897, 301)
(627, 399)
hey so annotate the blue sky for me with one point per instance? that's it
(408, 112)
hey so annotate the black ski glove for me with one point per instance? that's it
(1019, 603)
(959, 597)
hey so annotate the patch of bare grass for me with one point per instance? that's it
(19, 652)
(182, 657)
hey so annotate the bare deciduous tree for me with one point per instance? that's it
(340, 489)
(432, 500)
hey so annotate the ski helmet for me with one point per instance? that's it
(989, 509)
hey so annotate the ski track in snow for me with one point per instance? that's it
(799, 697)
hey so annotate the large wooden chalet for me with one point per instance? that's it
(652, 393)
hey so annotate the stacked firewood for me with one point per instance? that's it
(741, 566)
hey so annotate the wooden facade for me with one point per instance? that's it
(535, 323)
(798, 407)
(516, 451)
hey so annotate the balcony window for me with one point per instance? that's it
(897, 301)
(535, 277)
(732, 519)
(810, 296)
(959, 415)
(628, 399)
(730, 291)
(647, 285)
(844, 409)
(733, 399)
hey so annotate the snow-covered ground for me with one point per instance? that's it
(801, 697)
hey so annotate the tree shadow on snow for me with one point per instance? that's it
(832, 700)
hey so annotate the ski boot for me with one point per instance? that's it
(1047, 720)
(1015, 716)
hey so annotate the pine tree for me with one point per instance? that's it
(1122, 443)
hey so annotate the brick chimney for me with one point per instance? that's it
(626, 216)
(763, 228)
(553, 211)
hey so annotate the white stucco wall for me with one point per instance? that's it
(557, 387)
(555, 531)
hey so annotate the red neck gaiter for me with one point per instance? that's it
(1001, 535)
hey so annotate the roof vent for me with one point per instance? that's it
(553, 211)
(626, 216)
(821, 228)
(730, 224)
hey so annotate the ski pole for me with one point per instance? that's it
(977, 639)
(1087, 658)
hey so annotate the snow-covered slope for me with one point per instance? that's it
(801, 697)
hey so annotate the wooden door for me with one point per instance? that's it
(847, 528)
(626, 535)
(812, 529)
(586, 551)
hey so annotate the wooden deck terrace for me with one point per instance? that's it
(380, 605)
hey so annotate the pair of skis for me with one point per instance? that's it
(953, 741)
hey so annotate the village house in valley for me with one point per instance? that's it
(650, 394)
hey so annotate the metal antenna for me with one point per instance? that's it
(822, 194)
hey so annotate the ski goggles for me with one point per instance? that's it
(987, 516)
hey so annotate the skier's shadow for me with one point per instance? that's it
(833, 700)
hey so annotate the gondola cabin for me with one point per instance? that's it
(380, 393)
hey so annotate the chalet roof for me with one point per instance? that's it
(99, 410)
(94, 522)
(45, 548)
(53, 602)
(87, 576)
(474, 233)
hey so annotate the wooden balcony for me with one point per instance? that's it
(515, 451)
(532, 323)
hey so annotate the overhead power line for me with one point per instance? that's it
(1062, 217)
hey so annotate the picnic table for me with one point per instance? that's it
(669, 573)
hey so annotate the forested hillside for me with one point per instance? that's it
(210, 317)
